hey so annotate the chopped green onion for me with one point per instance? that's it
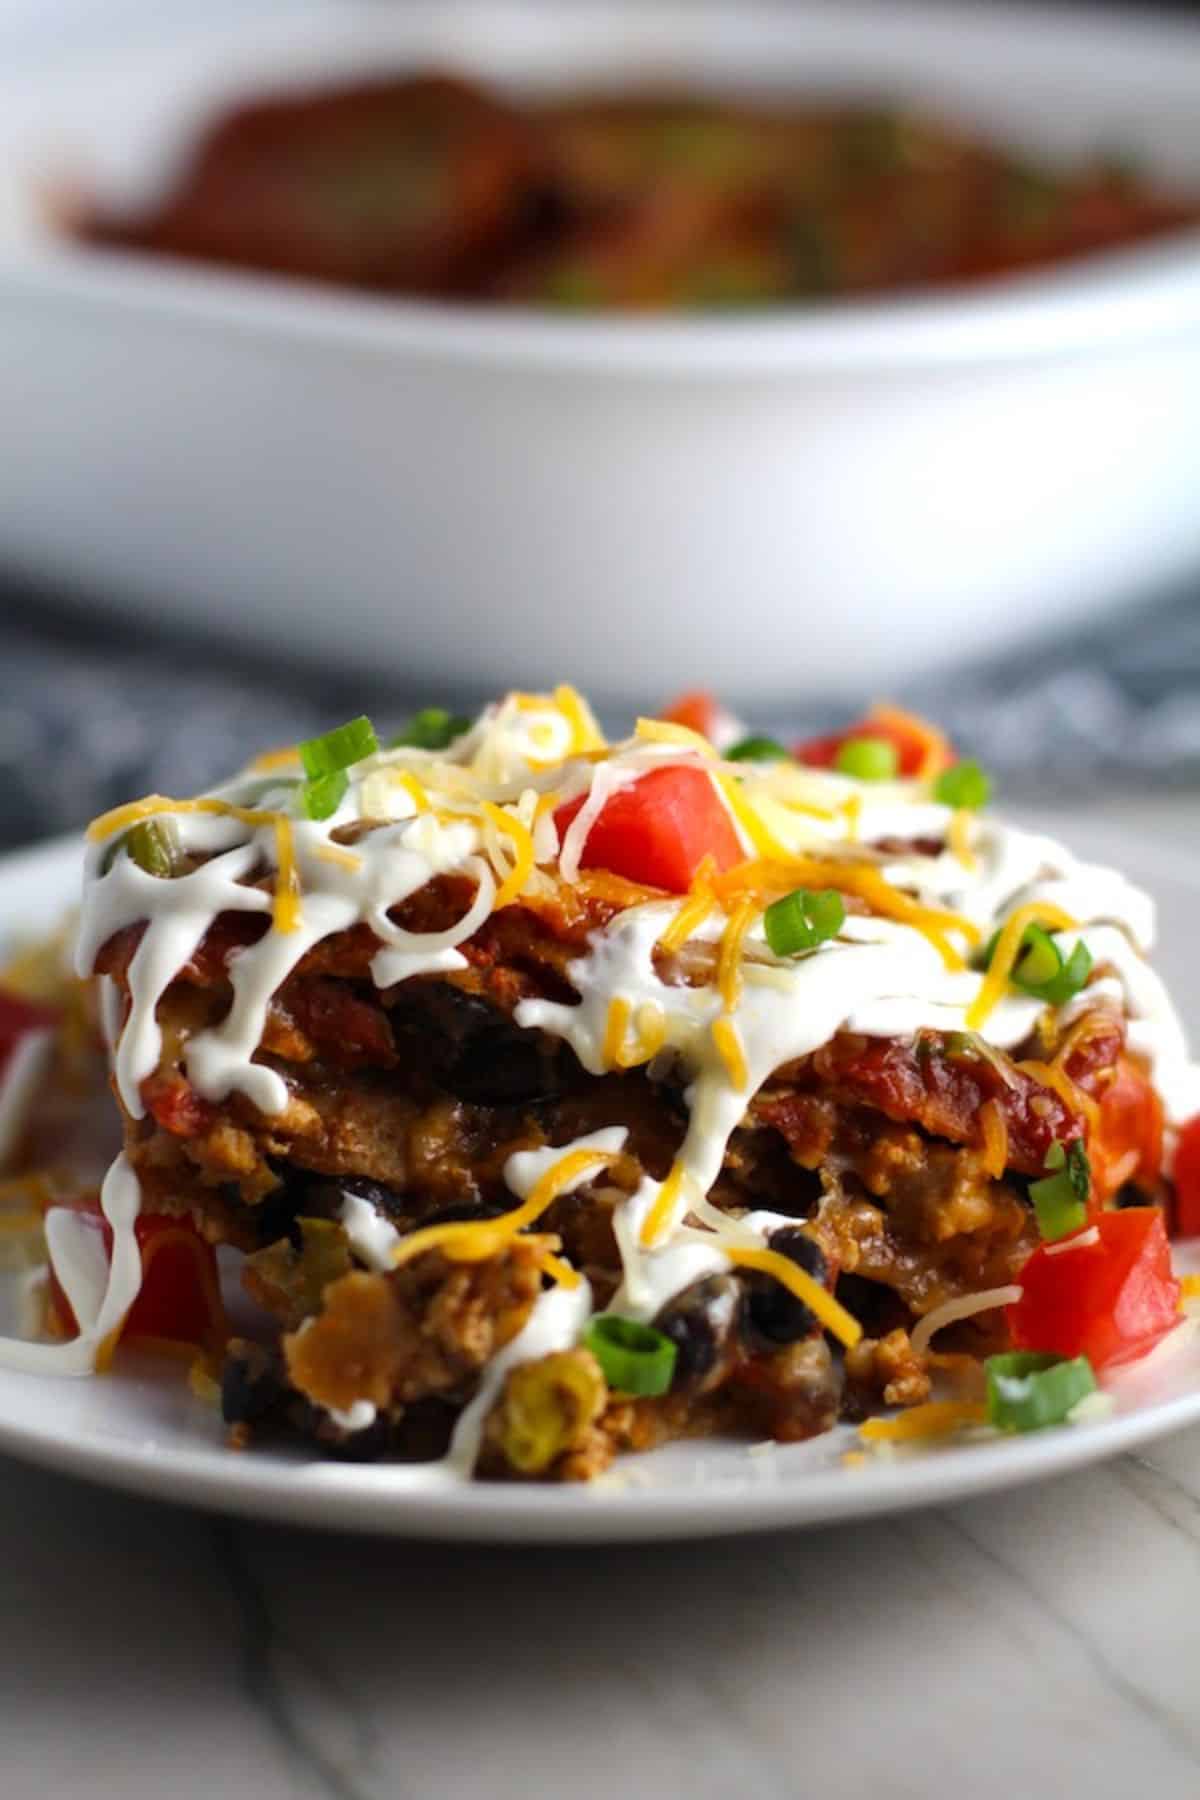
(151, 844)
(756, 749)
(338, 749)
(868, 759)
(1040, 969)
(1060, 1201)
(433, 728)
(1071, 978)
(1027, 1390)
(803, 919)
(1040, 959)
(636, 1359)
(963, 784)
(321, 798)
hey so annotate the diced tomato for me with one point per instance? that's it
(821, 752)
(658, 830)
(1108, 1300)
(1187, 1180)
(1127, 1142)
(699, 711)
(180, 1295)
(173, 1103)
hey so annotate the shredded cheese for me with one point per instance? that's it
(1008, 949)
(937, 1418)
(951, 1312)
(695, 909)
(936, 753)
(1081, 1240)
(995, 1139)
(585, 733)
(755, 833)
(651, 1024)
(959, 837)
(819, 1301)
(512, 883)
(270, 760)
(729, 1048)
(285, 907)
(474, 1240)
(665, 731)
(558, 1270)
(335, 854)
(771, 878)
(659, 1217)
(729, 956)
(619, 1010)
(1053, 1076)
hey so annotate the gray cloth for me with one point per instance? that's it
(88, 720)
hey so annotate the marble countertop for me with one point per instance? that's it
(1041, 1641)
(1045, 1641)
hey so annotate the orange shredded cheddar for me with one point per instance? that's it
(474, 1240)
(523, 857)
(936, 753)
(615, 1026)
(959, 837)
(1008, 949)
(729, 1048)
(586, 735)
(270, 760)
(729, 956)
(995, 1139)
(658, 1218)
(937, 1418)
(558, 1270)
(286, 905)
(1051, 1075)
(819, 1301)
(695, 908)
(770, 879)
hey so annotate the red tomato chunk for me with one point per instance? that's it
(822, 752)
(1109, 1300)
(1187, 1180)
(658, 830)
(180, 1295)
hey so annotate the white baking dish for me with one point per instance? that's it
(783, 504)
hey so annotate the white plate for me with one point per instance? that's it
(140, 1428)
(481, 497)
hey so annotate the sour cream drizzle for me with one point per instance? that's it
(410, 815)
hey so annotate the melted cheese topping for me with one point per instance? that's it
(684, 984)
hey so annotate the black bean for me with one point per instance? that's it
(773, 1314)
(702, 1324)
(473, 1050)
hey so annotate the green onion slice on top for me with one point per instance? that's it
(338, 749)
(151, 844)
(433, 728)
(1041, 969)
(635, 1359)
(321, 798)
(1027, 1390)
(1060, 1201)
(963, 784)
(804, 919)
(868, 759)
(756, 749)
